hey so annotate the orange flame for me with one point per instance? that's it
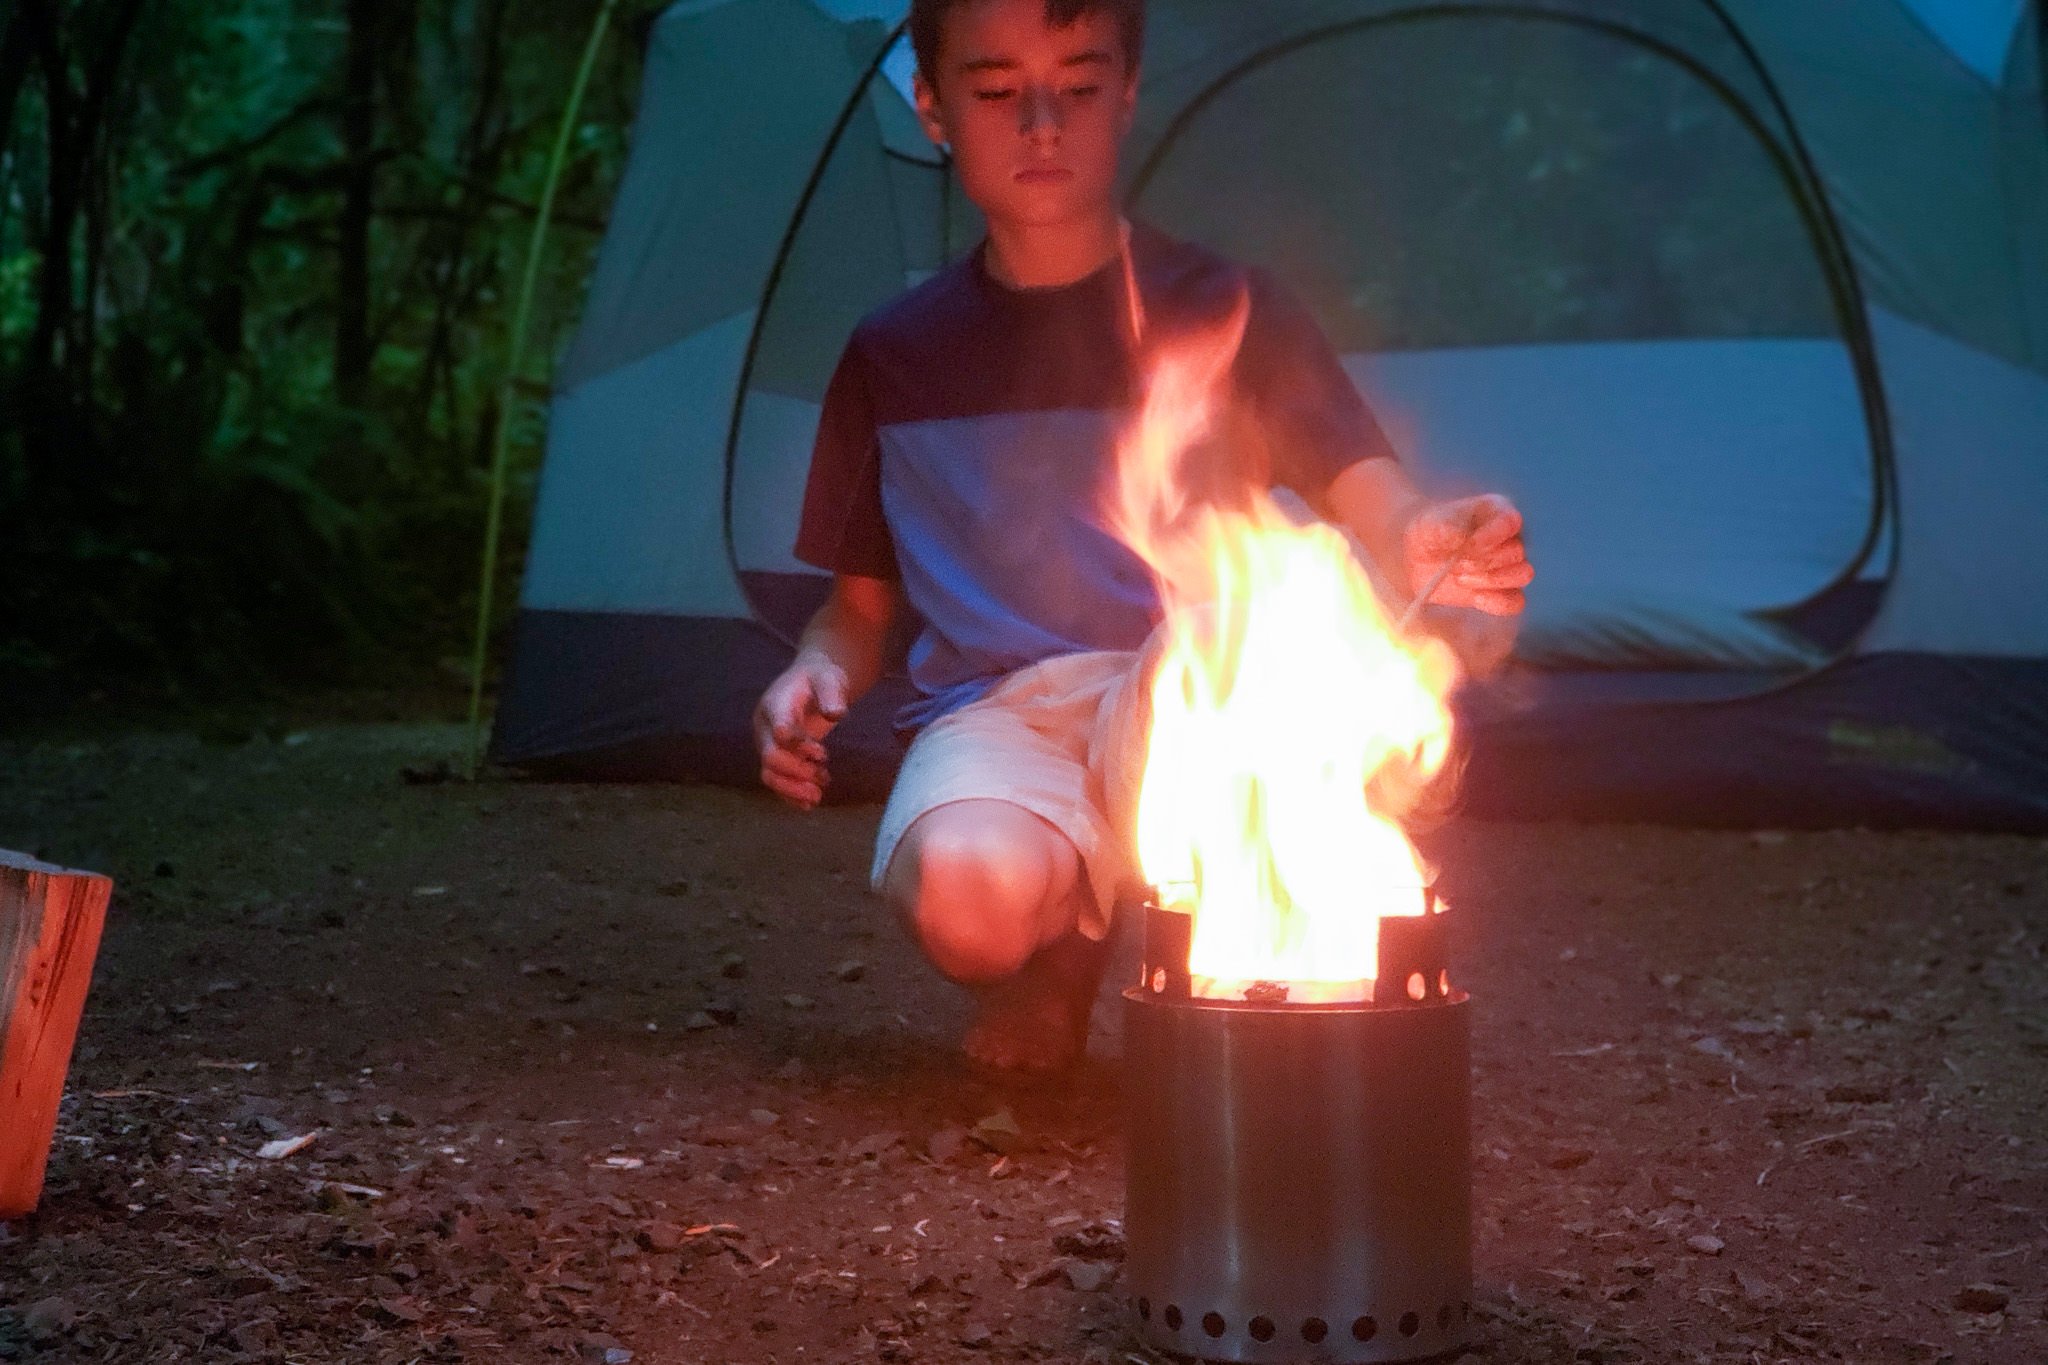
(1282, 691)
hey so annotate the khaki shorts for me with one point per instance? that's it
(1062, 739)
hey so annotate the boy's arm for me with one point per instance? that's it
(1326, 437)
(838, 659)
(1411, 538)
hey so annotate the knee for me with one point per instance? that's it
(974, 897)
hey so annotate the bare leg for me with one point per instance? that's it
(992, 895)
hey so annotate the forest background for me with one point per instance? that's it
(256, 268)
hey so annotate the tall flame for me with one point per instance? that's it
(1287, 713)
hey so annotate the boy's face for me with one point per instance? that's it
(1035, 115)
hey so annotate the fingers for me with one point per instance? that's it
(779, 717)
(1493, 601)
(1517, 574)
(798, 778)
(798, 767)
(789, 727)
(830, 693)
(1493, 522)
(802, 795)
(1482, 537)
(1500, 603)
(1467, 526)
(1487, 561)
(801, 705)
(824, 703)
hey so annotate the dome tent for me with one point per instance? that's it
(1746, 303)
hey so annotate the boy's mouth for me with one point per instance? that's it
(1044, 175)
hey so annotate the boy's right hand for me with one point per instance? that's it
(790, 724)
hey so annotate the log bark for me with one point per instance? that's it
(50, 922)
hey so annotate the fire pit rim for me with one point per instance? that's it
(1456, 996)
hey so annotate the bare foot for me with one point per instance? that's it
(1037, 1021)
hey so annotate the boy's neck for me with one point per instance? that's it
(1046, 256)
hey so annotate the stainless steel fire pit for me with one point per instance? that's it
(1299, 1175)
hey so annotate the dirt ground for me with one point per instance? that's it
(639, 1073)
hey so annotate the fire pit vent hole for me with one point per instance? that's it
(1410, 1324)
(1418, 986)
(1144, 1310)
(1261, 1329)
(1365, 1328)
(1443, 1318)
(1314, 1330)
(1173, 1317)
(1213, 1323)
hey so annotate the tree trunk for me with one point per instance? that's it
(56, 375)
(42, 370)
(15, 56)
(50, 921)
(358, 203)
(478, 159)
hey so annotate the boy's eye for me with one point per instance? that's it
(1084, 91)
(993, 95)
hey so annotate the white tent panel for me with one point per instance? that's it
(1972, 435)
(847, 11)
(898, 68)
(1978, 32)
(630, 515)
(1672, 488)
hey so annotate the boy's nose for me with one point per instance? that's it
(1040, 113)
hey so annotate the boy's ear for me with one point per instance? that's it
(930, 115)
(1128, 113)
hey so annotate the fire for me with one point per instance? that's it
(1288, 715)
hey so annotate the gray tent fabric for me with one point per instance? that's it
(1746, 301)
(716, 168)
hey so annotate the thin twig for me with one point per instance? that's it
(1421, 599)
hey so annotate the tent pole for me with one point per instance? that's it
(515, 354)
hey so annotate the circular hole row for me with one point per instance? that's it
(1363, 1328)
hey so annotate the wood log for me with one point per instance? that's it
(50, 922)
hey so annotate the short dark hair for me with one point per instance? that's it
(926, 17)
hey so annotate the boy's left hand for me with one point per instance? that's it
(1483, 536)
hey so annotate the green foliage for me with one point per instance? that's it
(195, 484)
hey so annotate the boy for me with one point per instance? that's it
(960, 465)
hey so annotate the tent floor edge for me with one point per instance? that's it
(1883, 741)
(641, 696)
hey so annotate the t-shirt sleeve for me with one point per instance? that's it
(1315, 425)
(843, 529)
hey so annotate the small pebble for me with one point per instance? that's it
(1089, 1276)
(1982, 1298)
(661, 1236)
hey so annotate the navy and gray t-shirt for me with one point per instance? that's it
(969, 436)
